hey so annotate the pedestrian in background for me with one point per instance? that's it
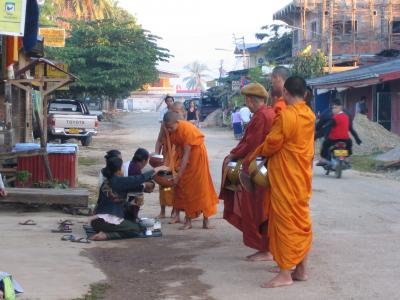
(237, 124)
(245, 116)
(192, 114)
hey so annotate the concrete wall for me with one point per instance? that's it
(372, 34)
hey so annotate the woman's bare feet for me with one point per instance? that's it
(284, 278)
(260, 256)
(206, 224)
(187, 225)
(100, 236)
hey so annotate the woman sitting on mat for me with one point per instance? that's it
(109, 222)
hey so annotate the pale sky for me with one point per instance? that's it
(192, 29)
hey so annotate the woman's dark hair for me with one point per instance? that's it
(337, 102)
(169, 97)
(113, 165)
(112, 153)
(296, 86)
(141, 154)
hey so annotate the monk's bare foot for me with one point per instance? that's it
(101, 236)
(260, 256)
(300, 274)
(175, 220)
(187, 225)
(276, 270)
(161, 216)
(282, 279)
(206, 224)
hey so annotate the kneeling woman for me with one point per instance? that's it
(109, 222)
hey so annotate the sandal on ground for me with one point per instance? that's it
(27, 222)
(80, 240)
(67, 237)
(66, 222)
(62, 229)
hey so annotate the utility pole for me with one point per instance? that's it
(323, 26)
(244, 56)
(372, 22)
(390, 19)
(330, 58)
(353, 24)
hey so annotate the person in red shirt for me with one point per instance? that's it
(339, 127)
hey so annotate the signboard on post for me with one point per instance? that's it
(53, 37)
(12, 17)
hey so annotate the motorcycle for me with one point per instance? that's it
(338, 162)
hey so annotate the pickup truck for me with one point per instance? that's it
(71, 119)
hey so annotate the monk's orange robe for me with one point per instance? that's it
(249, 211)
(279, 105)
(290, 149)
(195, 184)
(167, 195)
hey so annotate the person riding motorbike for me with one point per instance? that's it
(335, 126)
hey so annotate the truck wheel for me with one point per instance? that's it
(86, 141)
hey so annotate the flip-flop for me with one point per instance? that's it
(65, 222)
(81, 240)
(27, 222)
(67, 237)
(62, 229)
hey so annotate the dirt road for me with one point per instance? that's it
(356, 238)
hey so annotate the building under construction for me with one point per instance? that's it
(350, 29)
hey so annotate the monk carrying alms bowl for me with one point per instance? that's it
(258, 172)
(231, 175)
(257, 175)
(156, 160)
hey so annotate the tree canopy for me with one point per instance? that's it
(111, 57)
(309, 65)
(279, 43)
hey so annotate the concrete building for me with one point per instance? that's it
(360, 28)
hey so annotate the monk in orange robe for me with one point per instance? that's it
(278, 78)
(290, 150)
(193, 179)
(164, 146)
(244, 210)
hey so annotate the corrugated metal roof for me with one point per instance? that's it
(358, 77)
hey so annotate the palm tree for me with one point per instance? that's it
(197, 75)
(83, 9)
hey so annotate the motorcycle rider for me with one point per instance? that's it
(335, 126)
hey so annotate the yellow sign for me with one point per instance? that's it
(12, 17)
(53, 37)
(56, 73)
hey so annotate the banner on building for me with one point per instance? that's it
(12, 17)
(53, 37)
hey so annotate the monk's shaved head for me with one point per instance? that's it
(171, 117)
(178, 105)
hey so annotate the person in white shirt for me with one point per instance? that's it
(245, 115)
(3, 192)
(169, 101)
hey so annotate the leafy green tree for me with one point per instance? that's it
(278, 45)
(197, 78)
(111, 57)
(309, 65)
(256, 75)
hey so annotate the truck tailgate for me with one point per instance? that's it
(75, 121)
